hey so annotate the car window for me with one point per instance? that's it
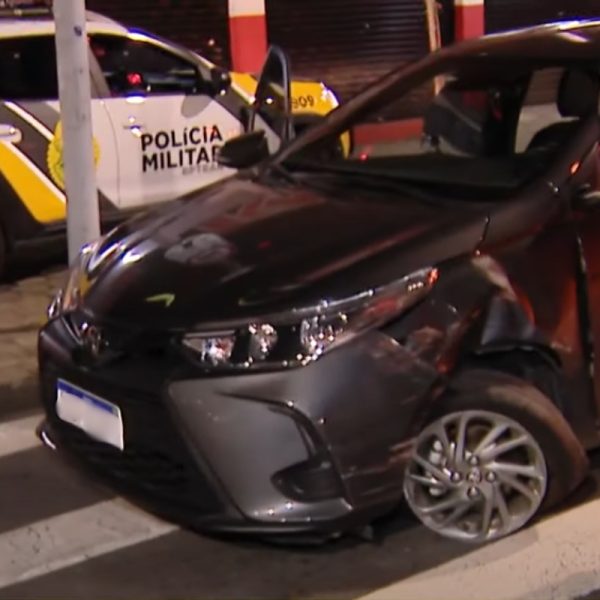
(540, 108)
(28, 68)
(456, 117)
(135, 66)
(479, 132)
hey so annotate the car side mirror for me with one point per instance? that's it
(244, 151)
(220, 80)
(272, 97)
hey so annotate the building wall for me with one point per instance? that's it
(345, 42)
(348, 43)
(501, 15)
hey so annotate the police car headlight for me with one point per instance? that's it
(300, 336)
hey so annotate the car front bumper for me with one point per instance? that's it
(320, 448)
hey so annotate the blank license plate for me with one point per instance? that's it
(99, 418)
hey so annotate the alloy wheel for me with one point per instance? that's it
(475, 476)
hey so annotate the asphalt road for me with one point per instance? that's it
(64, 536)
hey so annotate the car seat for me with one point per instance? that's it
(578, 97)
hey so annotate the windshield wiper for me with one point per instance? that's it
(370, 180)
(277, 169)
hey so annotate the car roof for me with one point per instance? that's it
(32, 26)
(573, 39)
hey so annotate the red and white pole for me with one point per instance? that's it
(469, 19)
(247, 34)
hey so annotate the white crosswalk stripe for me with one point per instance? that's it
(71, 538)
(66, 539)
(558, 559)
(19, 435)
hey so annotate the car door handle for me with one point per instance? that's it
(136, 129)
(11, 134)
(134, 126)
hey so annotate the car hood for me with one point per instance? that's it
(242, 249)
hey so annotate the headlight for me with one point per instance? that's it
(213, 350)
(300, 336)
(263, 339)
(78, 279)
(317, 334)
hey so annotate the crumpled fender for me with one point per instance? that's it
(473, 310)
(507, 321)
(473, 318)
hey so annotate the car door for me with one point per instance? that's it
(585, 202)
(31, 148)
(569, 304)
(168, 123)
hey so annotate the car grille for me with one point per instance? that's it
(155, 462)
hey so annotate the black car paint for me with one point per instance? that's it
(359, 407)
(267, 253)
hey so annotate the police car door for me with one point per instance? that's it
(31, 159)
(168, 125)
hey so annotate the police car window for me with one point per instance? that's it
(28, 68)
(134, 66)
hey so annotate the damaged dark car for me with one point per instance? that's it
(301, 347)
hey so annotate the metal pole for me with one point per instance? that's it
(83, 221)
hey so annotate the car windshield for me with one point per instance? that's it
(478, 130)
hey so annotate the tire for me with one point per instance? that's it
(551, 462)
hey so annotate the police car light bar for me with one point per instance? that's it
(25, 8)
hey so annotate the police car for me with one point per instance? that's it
(160, 114)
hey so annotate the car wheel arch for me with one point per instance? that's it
(535, 365)
(470, 377)
(482, 389)
(505, 338)
(538, 365)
